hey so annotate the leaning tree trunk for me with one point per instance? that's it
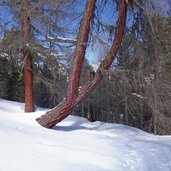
(27, 75)
(57, 114)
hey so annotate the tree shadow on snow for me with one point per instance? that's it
(77, 125)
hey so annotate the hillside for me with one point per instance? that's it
(76, 145)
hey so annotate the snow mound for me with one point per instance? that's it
(76, 144)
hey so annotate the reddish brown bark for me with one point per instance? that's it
(61, 111)
(28, 75)
(80, 51)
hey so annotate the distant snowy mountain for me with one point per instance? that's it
(76, 145)
(95, 66)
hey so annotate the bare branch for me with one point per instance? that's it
(61, 39)
(8, 3)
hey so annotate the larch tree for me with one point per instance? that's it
(27, 9)
(27, 58)
(28, 74)
(76, 94)
(35, 18)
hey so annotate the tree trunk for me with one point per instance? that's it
(27, 75)
(80, 49)
(61, 111)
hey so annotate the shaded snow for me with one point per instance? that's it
(76, 145)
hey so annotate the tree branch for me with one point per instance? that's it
(105, 64)
(61, 39)
(8, 3)
(80, 49)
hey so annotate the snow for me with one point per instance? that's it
(62, 39)
(137, 95)
(95, 66)
(76, 144)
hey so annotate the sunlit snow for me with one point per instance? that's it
(76, 144)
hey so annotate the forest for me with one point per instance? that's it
(107, 58)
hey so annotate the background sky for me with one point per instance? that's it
(107, 12)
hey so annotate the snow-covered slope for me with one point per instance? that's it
(76, 145)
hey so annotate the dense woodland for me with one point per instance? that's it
(135, 90)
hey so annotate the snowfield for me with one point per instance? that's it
(76, 145)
